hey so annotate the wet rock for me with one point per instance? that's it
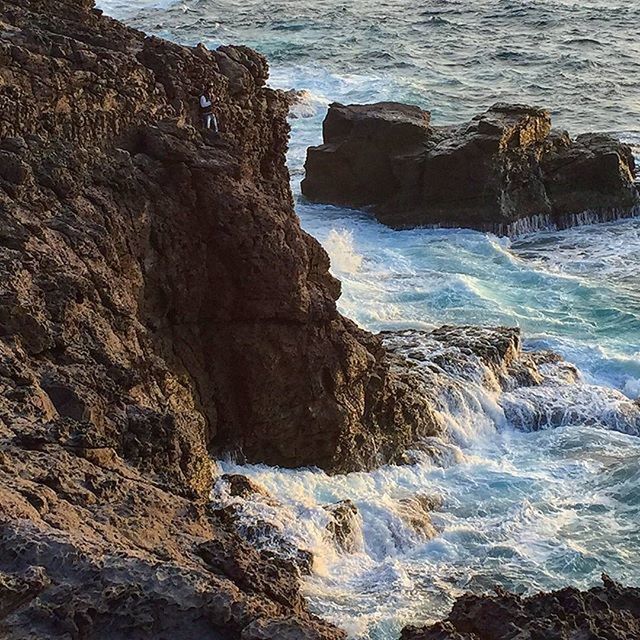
(593, 173)
(505, 171)
(356, 164)
(252, 571)
(344, 526)
(240, 486)
(240, 502)
(416, 512)
(300, 103)
(610, 611)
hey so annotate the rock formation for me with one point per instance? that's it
(506, 171)
(159, 300)
(158, 295)
(610, 612)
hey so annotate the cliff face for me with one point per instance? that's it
(158, 295)
(158, 301)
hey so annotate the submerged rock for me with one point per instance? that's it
(416, 512)
(506, 171)
(247, 508)
(344, 526)
(610, 611)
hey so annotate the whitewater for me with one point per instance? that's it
(527, 510)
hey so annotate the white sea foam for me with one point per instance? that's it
(344, 257)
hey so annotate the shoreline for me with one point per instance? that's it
(160, 304)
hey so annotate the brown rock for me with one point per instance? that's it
(610, 611)
(356, 165)
(506, 171)
(416, 512)
(344, 528)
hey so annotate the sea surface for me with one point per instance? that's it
(525, 510)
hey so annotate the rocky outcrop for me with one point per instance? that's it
(506, 171)
(158, 302)
(356, 165)
(610, 611)
(159, 297)
(91, 548)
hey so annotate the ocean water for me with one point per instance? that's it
(527, 510)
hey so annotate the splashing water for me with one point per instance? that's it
(540, 486)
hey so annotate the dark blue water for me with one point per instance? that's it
(455, 57)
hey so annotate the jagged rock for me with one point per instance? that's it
(505, 171)
(610, 611)
(159, 301)
(156, 277)
(240, 486)
(233, 498)
(343, 527)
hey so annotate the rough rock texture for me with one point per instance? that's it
(158, 299)
(363, 143)
(158, 295)
(610, 612)
(505, 171)
(90, 548)
(343, 527)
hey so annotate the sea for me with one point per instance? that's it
(525, 509)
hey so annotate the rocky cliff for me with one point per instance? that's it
(158, 295)
(506, 171)
(158, 302)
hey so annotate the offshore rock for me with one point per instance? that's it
(506, 171)
(610, 611)
(356, 165)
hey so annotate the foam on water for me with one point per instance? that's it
(558, 501)
(525, 511)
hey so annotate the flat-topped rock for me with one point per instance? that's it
(355, 166)
(505, 171)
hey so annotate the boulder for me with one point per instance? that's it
(505, 171)
(357, 164)
(416, 510)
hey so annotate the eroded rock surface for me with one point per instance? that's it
(609, 612)
(159, 301)
(506, 171)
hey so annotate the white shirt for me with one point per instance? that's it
(205, 102)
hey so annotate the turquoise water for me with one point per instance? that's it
(525, 510)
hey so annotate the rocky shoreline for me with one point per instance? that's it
(159, 305)
(507, 171)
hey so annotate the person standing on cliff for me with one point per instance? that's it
(209, 120)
